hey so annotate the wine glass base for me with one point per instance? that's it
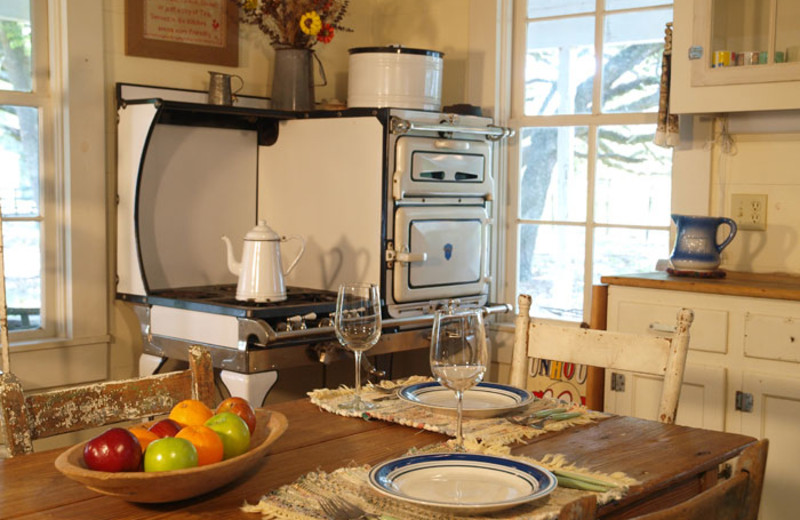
(357, 405)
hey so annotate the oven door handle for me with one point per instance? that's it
(407, 258)
(403, 256)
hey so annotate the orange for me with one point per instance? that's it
(190, 412)
(241, 408)
(144, 435)
(206, 441)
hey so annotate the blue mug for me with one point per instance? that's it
(696, 247)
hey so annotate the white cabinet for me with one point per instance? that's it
(742, 374)
(709, 33)
(776, 416)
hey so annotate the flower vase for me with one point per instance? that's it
(293, 79)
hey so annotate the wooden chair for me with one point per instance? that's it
(611, 350)
(26, 418)
(737, 498)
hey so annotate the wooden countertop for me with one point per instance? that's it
(735, 283)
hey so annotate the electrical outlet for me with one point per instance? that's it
(749, 211)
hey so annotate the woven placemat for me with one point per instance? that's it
(298, 501)
(494, 432)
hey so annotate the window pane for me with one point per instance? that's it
(633, 178)
(633, 44)
(631, 4)
(22, 247)
(15, 46)
(551, 269)
(553, 176)
(559, 67)
(543, 8)
(622, 251)
(19, 161)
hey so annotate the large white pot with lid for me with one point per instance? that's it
(395, 76)
(261, 271)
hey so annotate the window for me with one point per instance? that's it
(592, 190)
(26, 130)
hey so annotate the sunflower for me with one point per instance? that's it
(310, 23)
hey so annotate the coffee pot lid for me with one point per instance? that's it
(262, 232)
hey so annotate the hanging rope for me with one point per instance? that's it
(3, 307)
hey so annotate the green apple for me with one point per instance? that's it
(169, 453)
(233, 431)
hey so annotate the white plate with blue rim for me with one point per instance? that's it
(482, 400)
(462, 483)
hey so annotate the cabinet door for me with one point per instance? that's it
(776, 416)
(703, 27)
(702, 402)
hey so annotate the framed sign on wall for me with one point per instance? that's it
(201, 31)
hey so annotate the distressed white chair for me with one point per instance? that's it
(27, 417)
(660, 356)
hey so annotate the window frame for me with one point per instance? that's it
(594, 120)
(78, 350)
(46, 73)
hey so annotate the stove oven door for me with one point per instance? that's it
(440, 252)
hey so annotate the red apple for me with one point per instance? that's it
(240, 407)
(166, 428)
(114, 450)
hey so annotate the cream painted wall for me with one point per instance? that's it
(441, 25)
(761, 164)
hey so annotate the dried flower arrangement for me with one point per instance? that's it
(296, 24)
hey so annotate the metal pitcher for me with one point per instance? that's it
(293, 79)
(696, 247)
(219, 88)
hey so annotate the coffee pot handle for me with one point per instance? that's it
(299, 254)
(732, 224)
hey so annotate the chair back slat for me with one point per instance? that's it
(599, 348)
(45, 414)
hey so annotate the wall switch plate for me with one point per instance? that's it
(749, 211)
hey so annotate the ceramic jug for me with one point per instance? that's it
(261, 272)
(696, 247)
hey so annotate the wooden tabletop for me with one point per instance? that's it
(671, 462)
(780, 286)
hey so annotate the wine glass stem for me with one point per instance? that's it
(459, 431)
(357, 356)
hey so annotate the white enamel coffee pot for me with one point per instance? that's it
(261, 271)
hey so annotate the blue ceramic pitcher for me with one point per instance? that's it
(696, 247)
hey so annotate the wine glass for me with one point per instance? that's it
(458, 355)
(358, 327)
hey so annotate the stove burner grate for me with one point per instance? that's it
(221, 299)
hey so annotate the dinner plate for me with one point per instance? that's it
(462, 483)
(482, 400)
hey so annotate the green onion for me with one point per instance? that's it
(569, 476)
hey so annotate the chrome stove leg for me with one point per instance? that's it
(253, 387)
(149, 364)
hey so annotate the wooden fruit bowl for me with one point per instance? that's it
(169, 486)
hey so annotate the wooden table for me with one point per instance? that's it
(672, 463)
